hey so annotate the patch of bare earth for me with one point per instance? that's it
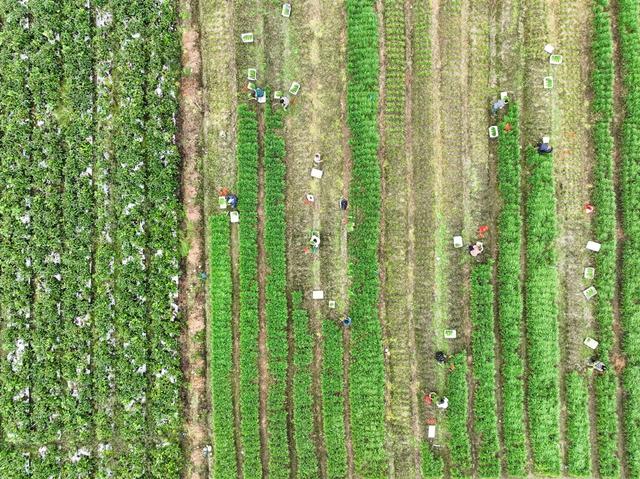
(192, 292)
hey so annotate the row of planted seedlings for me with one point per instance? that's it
(307, 461)
(367, 367)
(541, 315)
(247, 188)
(221, 369)
(485, 420)
(332, 398)
(509, 293)
(276, 310)
(604, 229)
(629, 38)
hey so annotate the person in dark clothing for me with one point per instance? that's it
(544, 148)
(441, 357)
(343, 204)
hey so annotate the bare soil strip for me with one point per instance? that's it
(192, 293)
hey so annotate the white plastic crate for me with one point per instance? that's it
(593, 246)
(316, 173)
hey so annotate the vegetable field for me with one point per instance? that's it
(321, 239)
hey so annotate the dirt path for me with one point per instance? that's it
(192, 293)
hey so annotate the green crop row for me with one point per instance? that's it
(578, 441)
(395, 60)
(541, 313)
(605, 231)
(457, 417)
(302, 396)
(130, 269)
(367, 367)
(628, 25)
(485, 417)
(163, 220)
(509, 294)
(16, 228)
(46, 167)
(224, 450)
(333, 400)
(78, 222)
(103, 315)
(276, 292)
(247, 187)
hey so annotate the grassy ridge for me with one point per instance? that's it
(247, 187)
(367, 366)
(302, 397)
(276, 293)
(485, 418)
(541, 322)
(509, 294)
(224, 450)
(628, 25)
(605, 231)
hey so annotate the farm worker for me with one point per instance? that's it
(316, 159)
(482, 230)
(598, 365)
(443, 403)
(441, 357)
(260, 96)
(347, 321)
(544, 148)
(315, 241)
(476, 249)
(498, 105)
(284, 101)
(232, 200)
(588, 208)
(343, 204)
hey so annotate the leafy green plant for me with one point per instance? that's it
(366, 368)
(224, 450)
(541, 322)
(485, 418)
(509, 294)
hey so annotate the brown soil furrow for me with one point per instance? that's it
(263, 372)
(192, 292)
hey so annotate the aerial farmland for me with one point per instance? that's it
(333, 239)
